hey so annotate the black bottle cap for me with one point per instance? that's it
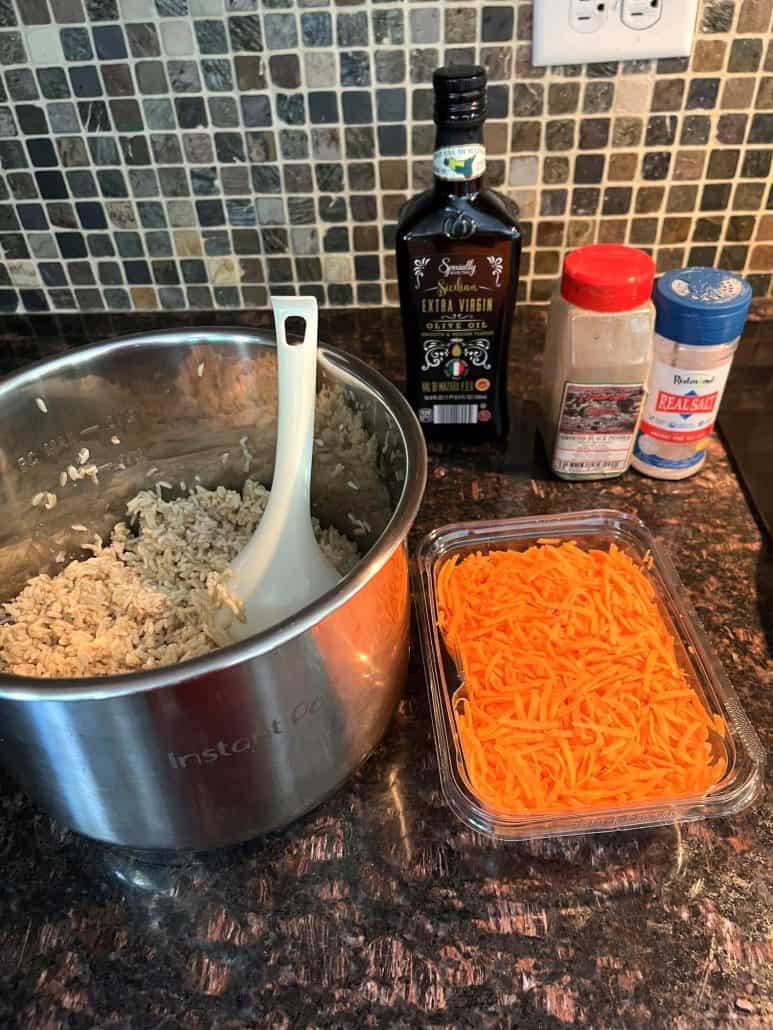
(460, 95)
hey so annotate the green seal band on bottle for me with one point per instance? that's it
(459, 163)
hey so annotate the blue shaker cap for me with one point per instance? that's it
(702, 306)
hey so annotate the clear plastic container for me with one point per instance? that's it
(743, 778)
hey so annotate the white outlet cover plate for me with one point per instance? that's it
(555, 42)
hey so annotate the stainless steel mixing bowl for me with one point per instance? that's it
(245, 739)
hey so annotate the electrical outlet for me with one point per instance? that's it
(640, 14)
(587, 15)
(588, 31)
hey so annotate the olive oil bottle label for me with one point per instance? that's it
(459, 301)
(462, 162)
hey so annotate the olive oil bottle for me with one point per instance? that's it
(458, 253)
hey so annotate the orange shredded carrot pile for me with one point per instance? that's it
(572, 694)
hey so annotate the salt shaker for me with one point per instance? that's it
(701, 313)
(598, 353)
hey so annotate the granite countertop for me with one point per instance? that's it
(379, 908)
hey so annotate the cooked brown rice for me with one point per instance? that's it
(147, 598)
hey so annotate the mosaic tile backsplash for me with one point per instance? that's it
(167, 154)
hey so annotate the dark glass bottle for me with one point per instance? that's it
(458, 252)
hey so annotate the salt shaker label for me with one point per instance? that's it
(679, 415)
(596, 428)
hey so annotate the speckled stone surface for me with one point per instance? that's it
(379, 908)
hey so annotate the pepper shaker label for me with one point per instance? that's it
(596, 428)
(679, 415)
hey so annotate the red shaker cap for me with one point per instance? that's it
(607, 277)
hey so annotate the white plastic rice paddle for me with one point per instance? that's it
(282, 568)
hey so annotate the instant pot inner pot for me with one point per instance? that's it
(176, 410)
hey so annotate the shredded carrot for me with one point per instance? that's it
(573, 696)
